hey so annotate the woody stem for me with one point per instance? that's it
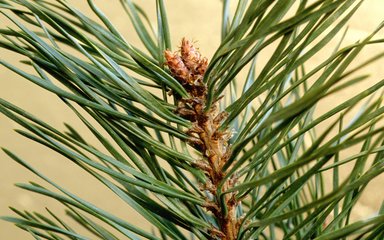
(216, 151)
(213, 143)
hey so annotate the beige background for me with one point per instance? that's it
(196, 19)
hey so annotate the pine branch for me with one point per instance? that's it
(206, 136)
(223, 158)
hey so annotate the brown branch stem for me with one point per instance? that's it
(205, 135)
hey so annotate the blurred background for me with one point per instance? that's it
(198, 20)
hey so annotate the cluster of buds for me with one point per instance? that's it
(188, 68)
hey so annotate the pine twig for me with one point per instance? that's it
(205, 134)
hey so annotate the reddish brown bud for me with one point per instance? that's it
(202, 66)
(189, 54)
(177, 66)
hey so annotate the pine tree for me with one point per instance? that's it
(213, 156)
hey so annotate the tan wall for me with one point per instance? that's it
(196, 19)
